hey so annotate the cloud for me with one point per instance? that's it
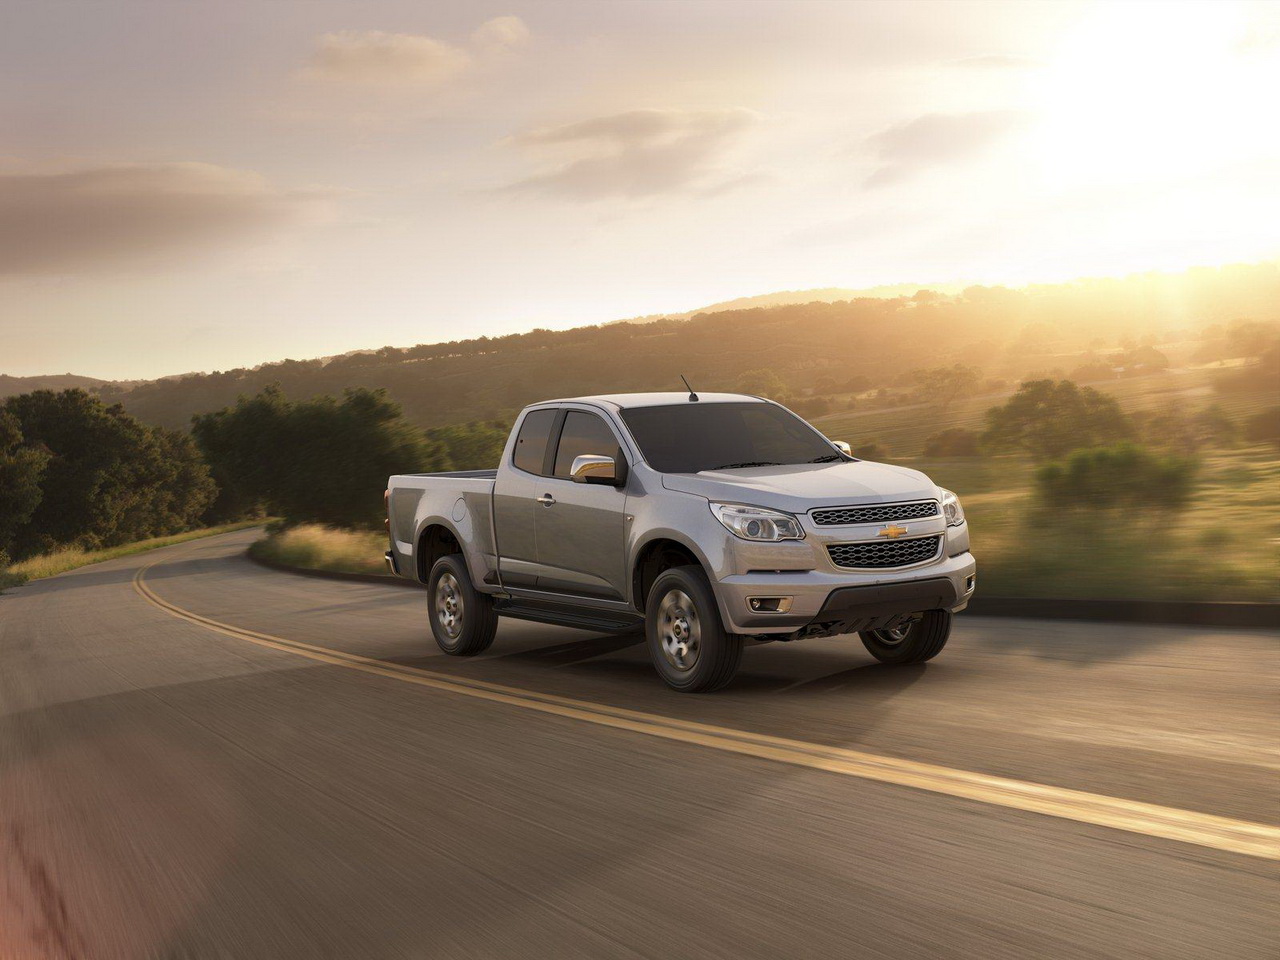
(375, 57)
(935, 139)
(500, 35)
(639, 153)
(997, 61)
(379, 58)
(133, 215)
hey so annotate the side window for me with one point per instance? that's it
(531, 444)
(583, 433)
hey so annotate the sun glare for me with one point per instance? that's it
(1159, 92)
(1162, 112)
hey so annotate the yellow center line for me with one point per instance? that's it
(1187, 826)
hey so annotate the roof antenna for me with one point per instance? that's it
(693, 397)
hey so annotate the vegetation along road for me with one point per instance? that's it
(206, 758)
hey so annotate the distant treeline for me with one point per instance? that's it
(75, 472)
(805, 348)
(326, 460)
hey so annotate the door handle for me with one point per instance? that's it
(546, 499)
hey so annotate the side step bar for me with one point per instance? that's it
(566, 616)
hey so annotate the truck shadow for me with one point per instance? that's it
(621, 661)
(576, 651)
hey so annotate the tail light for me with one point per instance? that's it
(386, 503)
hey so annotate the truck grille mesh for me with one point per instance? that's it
(884, 553)
(880, 513)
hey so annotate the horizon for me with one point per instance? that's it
(945, 289)
(200, 187)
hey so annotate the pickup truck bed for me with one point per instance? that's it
(464, 496)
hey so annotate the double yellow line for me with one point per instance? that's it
(1186, 826)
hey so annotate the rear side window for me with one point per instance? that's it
(583, 433)
(531, 444)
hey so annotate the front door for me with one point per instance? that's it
(581, 527)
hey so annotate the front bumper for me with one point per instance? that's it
(844, 602)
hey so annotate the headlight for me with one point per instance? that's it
(951, 509)
(757, 523)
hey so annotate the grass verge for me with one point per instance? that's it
(69, 558)
(314, 547)
(1224, 546)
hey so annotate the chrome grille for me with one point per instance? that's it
(884, 553)
(879, 513)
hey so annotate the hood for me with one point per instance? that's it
(803, 486)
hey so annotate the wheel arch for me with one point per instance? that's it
(437, 538)
(661, 551)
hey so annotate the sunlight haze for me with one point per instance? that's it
(206, 186)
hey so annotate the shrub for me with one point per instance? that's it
(956, 442)
(468, 446)
(870, 450)
(1264, 427)
(811, 407)
(1124, 475)
(324, 548)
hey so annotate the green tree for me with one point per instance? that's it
(321, 460)
(21, 469)
(762, 383)
(243, 445)
(943, 385)
(109, 479)
(1047, 419)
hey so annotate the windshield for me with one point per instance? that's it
(689, 437)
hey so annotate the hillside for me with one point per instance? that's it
(847, 346)
(12, 386)
(787, 297)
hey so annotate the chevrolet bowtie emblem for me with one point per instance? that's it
(892, 531)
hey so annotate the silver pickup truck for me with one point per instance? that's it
(707, 521)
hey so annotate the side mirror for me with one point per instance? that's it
(590, 468)
(843, 447)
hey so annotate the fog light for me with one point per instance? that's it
(968, 584)
(769, 604)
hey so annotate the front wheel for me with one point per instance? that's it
(463, 620)
(912, 642)
(686, 640)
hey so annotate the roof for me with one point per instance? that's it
(623, 401)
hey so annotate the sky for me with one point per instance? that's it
(208, 185)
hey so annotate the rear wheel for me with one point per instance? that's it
(463, 620)
(912, 642)
(686, 640)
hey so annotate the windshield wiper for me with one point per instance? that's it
(828, 458)
(747, 463)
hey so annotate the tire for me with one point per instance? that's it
(686, 640)
(463, 620)
(913, 642)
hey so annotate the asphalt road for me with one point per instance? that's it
(205, 786)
